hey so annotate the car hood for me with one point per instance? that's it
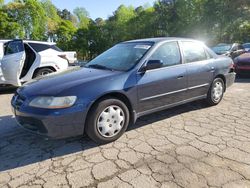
(244, 58)
(54, 84)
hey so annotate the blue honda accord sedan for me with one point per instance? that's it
(129, 80)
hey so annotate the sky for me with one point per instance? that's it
(97, 8)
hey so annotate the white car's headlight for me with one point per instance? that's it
(53, 102)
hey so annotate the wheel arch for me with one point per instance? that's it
(39, 68)
(224, 80)
(116, 95)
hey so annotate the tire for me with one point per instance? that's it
(105, 117)
(43, 72)
(216, 92)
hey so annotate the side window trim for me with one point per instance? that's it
(28, 44)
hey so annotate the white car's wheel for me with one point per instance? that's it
(43, 72)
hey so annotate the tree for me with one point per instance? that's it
(30, 15)
(1, 3)
(82, 16)
(144, 24)
(118, 24)
(65, 33)
(8, 27)
(53, 19)
(64, 14)
(213, 21)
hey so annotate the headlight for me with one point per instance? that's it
(53, 102)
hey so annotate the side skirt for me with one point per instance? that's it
(168, 106)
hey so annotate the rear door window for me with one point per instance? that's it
(41, 47)
(193, 51)
(54, 47)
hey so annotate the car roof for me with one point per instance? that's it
(30, 41)
(161, 39)
(39, 42)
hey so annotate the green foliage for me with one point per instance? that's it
(82, 16)
(213, 21)
(8, 27)
(30, 15)
(1, 3)
(65, 33)
(53, 19)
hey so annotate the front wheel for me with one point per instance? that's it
(107, 121)
(216, 92)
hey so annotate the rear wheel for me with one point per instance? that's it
(43, 72)
(216, 92)
(107, 121)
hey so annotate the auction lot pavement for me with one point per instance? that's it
(189, 146)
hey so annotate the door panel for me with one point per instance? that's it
(161, 87)
(200, 69)
(166, 85)
(13, 61)
(200, 75)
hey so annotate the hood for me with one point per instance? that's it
(56, 83)
(243, 58)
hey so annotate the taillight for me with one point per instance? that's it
(64, 57)
(232, 67)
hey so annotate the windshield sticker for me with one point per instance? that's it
(146, 47)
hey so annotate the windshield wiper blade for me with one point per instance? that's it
(99, 67)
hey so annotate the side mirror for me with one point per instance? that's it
(152, 64)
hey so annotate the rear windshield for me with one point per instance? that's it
(41, 47)
(222, 48)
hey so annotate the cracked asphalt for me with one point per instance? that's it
(188, 146)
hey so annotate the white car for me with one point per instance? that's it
(23, 60)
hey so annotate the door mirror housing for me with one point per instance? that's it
(152, 64)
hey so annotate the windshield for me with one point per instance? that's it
(121, 57)
(222, 48)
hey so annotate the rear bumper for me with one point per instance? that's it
(230, 79)
(242, 70)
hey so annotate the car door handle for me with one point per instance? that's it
(180, 77)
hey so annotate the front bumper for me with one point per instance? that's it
(55, 124)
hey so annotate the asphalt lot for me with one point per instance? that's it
(189, 146)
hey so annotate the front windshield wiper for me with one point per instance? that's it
(96, 66)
